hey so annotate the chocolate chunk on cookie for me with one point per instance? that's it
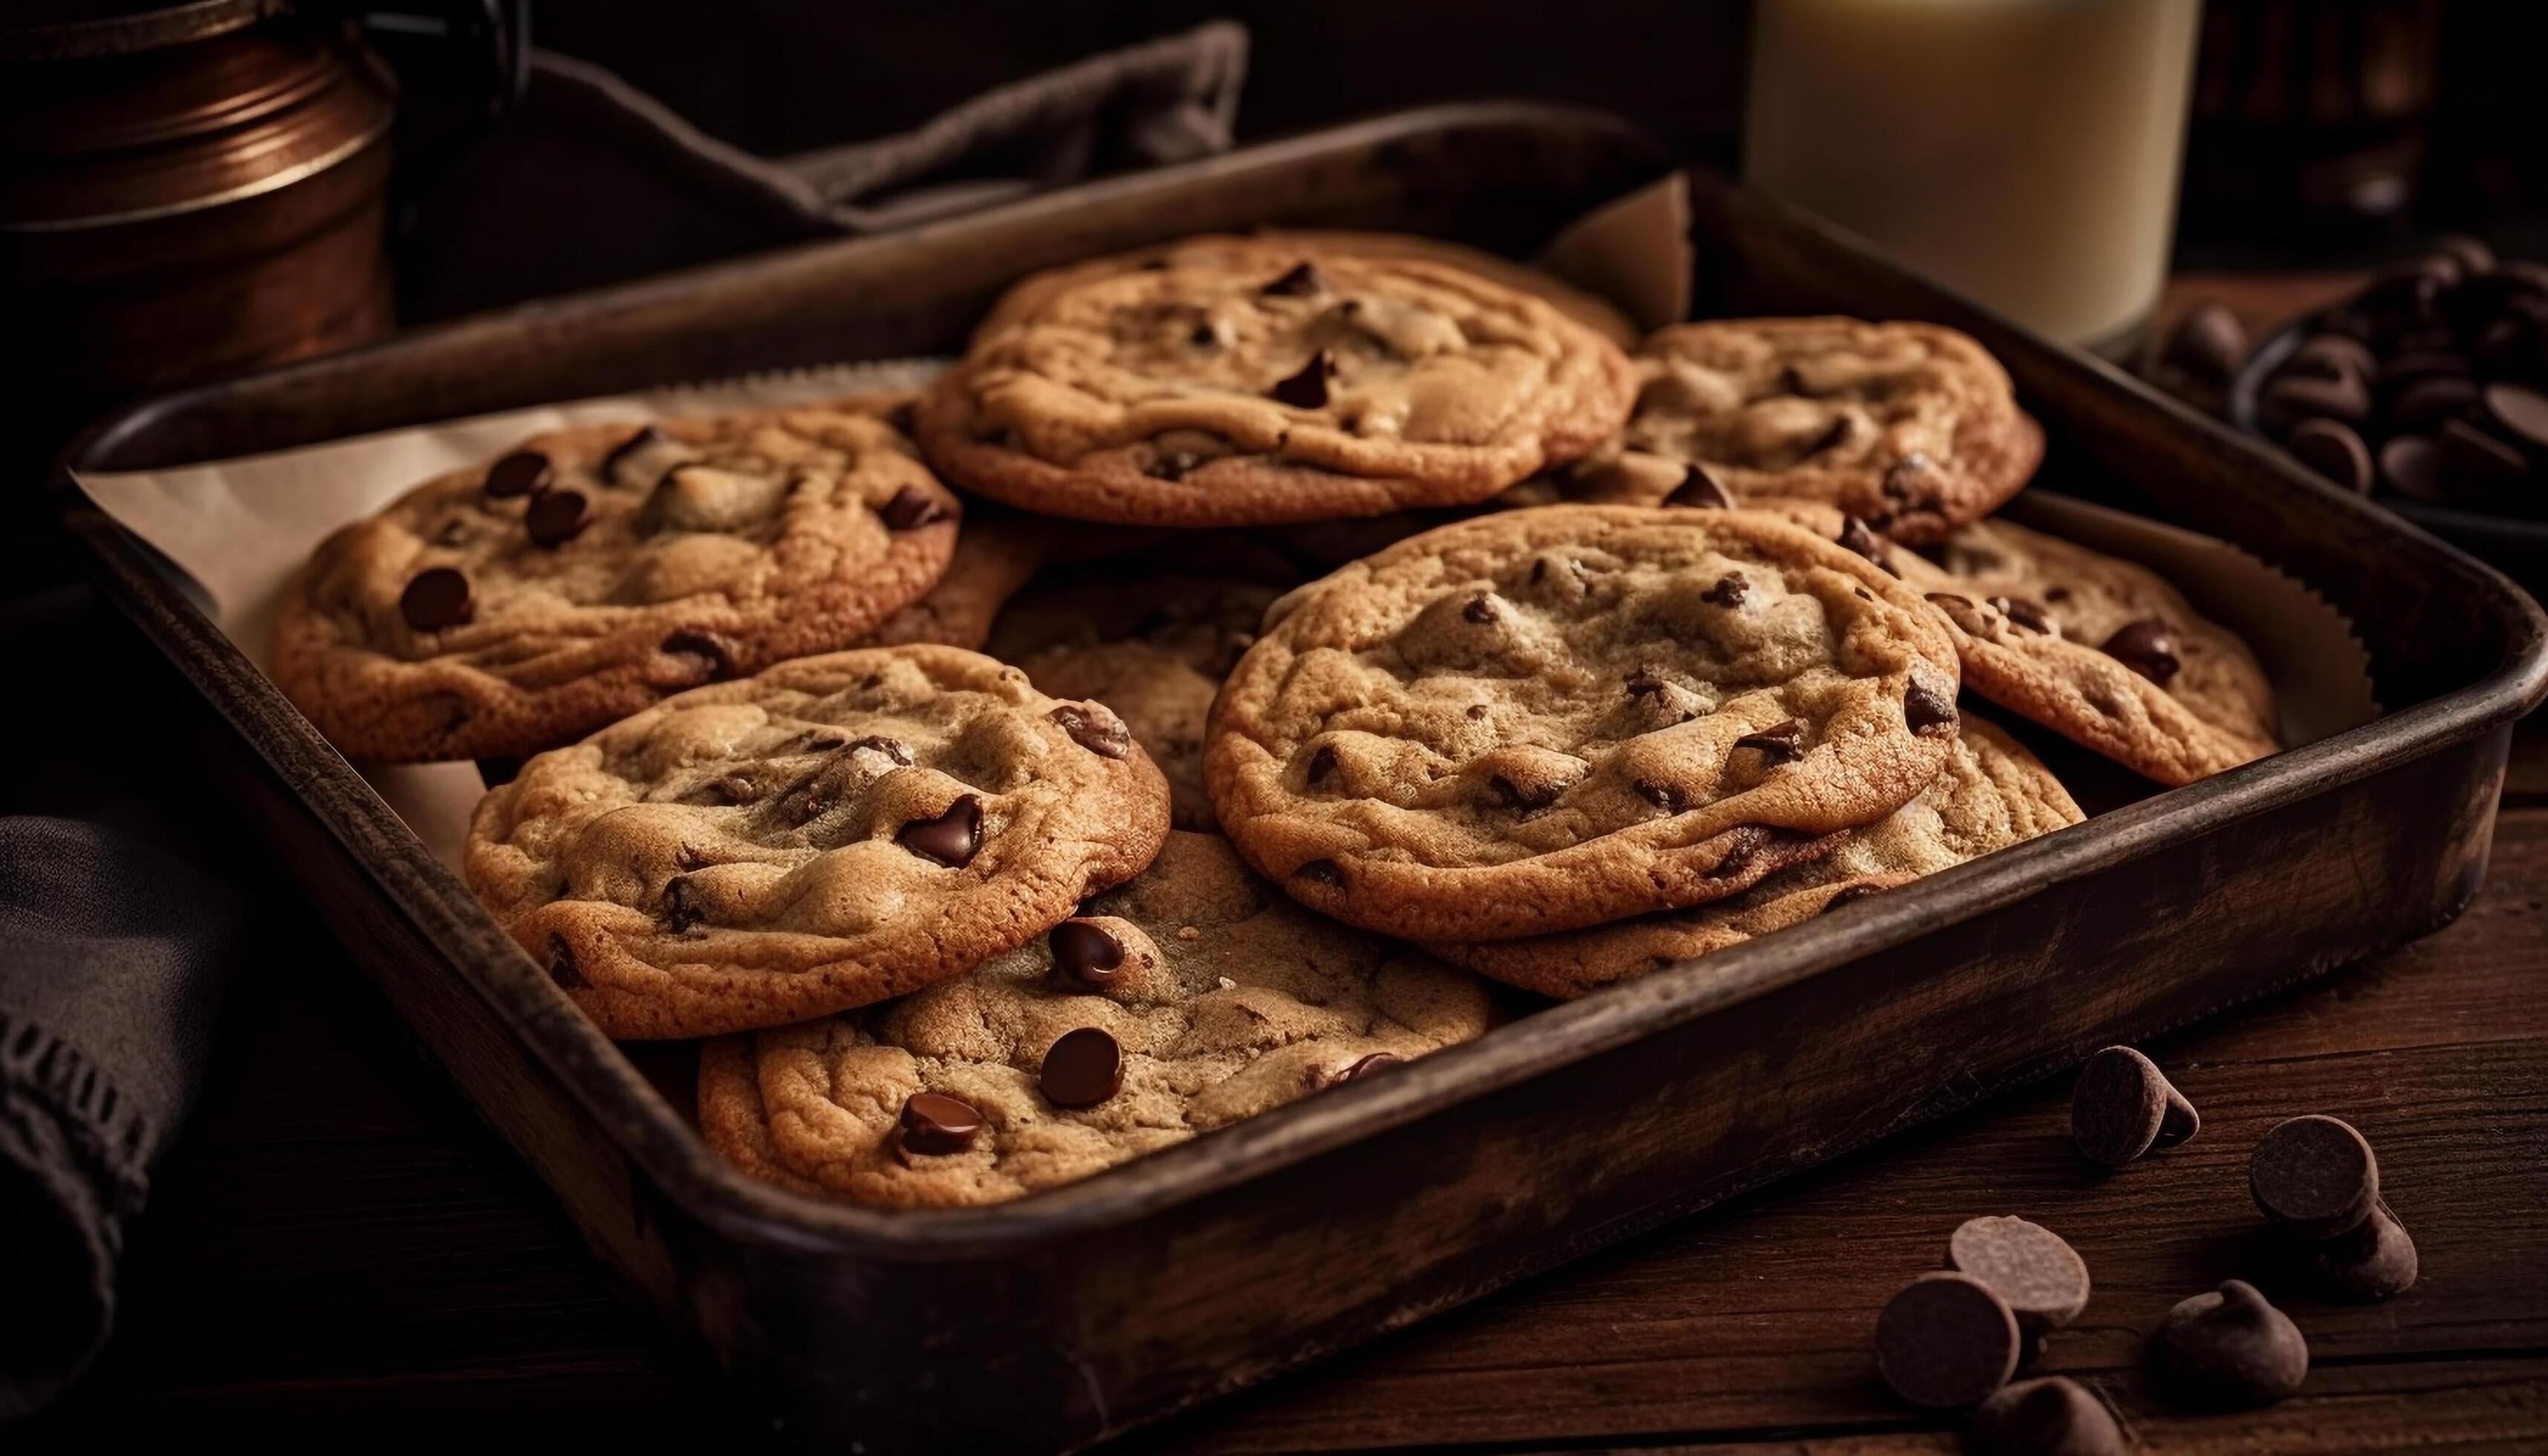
(837, 830)
(1909, 426)
(1217, 999)
(1215, 391)
(1153, 646)
(1992, 794)
(1529, 721)
(508, 609)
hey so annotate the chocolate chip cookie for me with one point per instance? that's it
(2102, 651)
(513, 607)
(1544, 719)
(1992, 795)
(1189, 999)
(1910, 427)
(1264, 387)
(998, 553)
(1153, 646)
(837, 830)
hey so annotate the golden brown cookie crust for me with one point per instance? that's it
(1227, 1000)
(1222, 391)
(794, 845)
(728, 543)
(1538, 720)
(1993, 794)
(1911, 428)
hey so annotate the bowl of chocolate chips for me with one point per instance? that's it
(2428, 390)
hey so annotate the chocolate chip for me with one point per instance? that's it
(1378, 1062)
(910, 508)
(1946, 1340)
(2472, 253)
(935, 1123)
(497, 771)
(562, 967)
(1514, 796)
(2519, 414)
(2147, 647)
(2208, 343)
(1082, 1069)
(1728, 592)
(1099, 732)
(1307, 390)
(557, 516)
(2400, 370)
(1778, 743)
(2033, 1270)
(949, 839)
(1646, 680)
(1929, 703)
(1904, 476)
(2375, 1262)
(436, 597)
(2227, 1349)
(1700, 490)
(1204, 335)
(1086, 954)
(2333, 450)
(1172, 464)
(1960, 610)
(1855, 535)
(2289, 399)
(2028, 615)
(2425, 403)
(715, 653)
(2123, 1106)
(2051, 1417)
(523, 473)
(1322, 764)
(647, 438)
(2314, 1176)
(2331, 357)
(682, 907)
(1835, 435)
(2412, 466)
(1302, 281)
(1480, 610)
(1323, 871)
(2472, 458)
(1661, 795)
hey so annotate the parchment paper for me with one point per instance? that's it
(234, 531)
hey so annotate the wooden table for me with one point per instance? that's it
(339, 1247)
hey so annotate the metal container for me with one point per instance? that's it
(1063, 1317)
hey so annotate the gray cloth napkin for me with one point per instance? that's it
(591, 181)
(113, 953)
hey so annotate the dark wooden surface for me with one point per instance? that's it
(338, 1247)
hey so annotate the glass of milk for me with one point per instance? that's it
(2023, 153)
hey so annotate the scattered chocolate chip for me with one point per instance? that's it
(1155, 265)
(556, 517)
(2028, 615)
(1960, 611)
(1322, 764)
(2292, 398)
(1728, 592)
(2519, 412)
(2331, 357)
(2400, 370)
(1778, 743)
(1378, 1062)
(2425, 403)
(1099, 732)
(2033, 1270)
(1307, 390)
(1086, 954)
(1903, 477)
(2314, 1176)
(2147, 647)
(2123, 1106)
(949, 839)
(682, 907)
(910, 508)
(2412, 466)
(1302, 281)
(647, 438)
(436, 597)
(1172, 464)
(2333, 450)
(1082, 1069)
(1514, 796)
(562, 967)
(2473, 458)
(1835, 435)
(2228, 1349)
(1204, 335)
(1929, 703)
(1946, 1340)
(1661, 795)
(2051, 1417)
(2472, 253)
(1322, 871)
(715, 653)
(935, 1123)
(2208, 343)
(2375, 1262)
(1700, 490)
(1480, 609)
(1855, 535)
(523, 473)
(1477, 711)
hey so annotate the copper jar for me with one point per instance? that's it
(185, 189)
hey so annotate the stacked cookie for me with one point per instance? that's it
(1623, 659)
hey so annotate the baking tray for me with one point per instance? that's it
(1058, 1319)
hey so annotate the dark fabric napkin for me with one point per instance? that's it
(591, 181)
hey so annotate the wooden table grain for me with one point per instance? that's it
(339, 1248)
